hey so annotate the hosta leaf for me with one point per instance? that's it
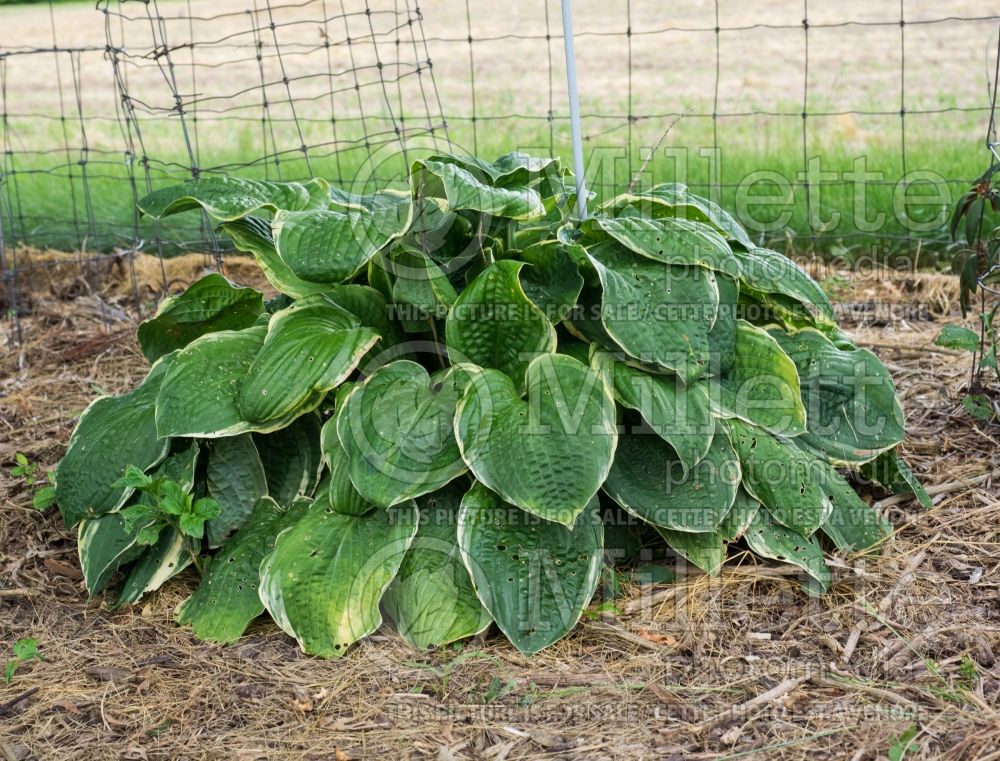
(113, 432)
(534, 576)
(370, 307)
(292, 459)
(851, 405)
(494, 324)
(310, 348)
(762, 386)
(549, 454)
(722, 336)
(770, 539)
(227, 599)
(770, 272)
(463, 190)
(658, 313)
(198, 395)
(160, 563)
(679, 414)
(328, 246)
(890, 471)
(236, 480)
(420, 283)
(432, 600)
(229, 198)
(739, 517)
(648, 480)
(343, 497)
(853, 525)
(670, 240)
(104, 546)
(552, 279)
(512, 168)
(253, 235)
(396, 429)
(789, 482)
(209, 305)
(707, 550)
(323, 581)
(390, 210)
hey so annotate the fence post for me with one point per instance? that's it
(574, 110)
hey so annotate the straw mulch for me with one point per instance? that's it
(744, 666)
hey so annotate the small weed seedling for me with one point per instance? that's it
(25, 651)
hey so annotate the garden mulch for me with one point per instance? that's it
(744, 666)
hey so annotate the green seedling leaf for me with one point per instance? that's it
(957, 337)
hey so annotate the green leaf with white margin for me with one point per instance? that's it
(549, 454)
(739, 517)
(112, 433)
(330, 246)
(227, 598)
(198, 395)
(371, 309)
(771, 539)
(164, 560)
(462, 190)
(853, 526)
(494, 324)
(104, 546)
(343, 497)
(512, 168)
(658, 313)
(722, 336)
(552, 279)
(669, 240)
(762, 386)
(648, 480)
(769, 272)
(324, 579)
(229, 198)
(311, 347)
(418, 281)
(292, 459)
(852, 408)
(790, 483)
(396, 429)
(236, 480)
(707, 550)
(432, 600)
(891, 472)
(679, 414)
(209, 305)
(535, 577)
(253, 235)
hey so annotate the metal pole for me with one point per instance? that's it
(574, 111)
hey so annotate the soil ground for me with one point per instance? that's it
(744, 666)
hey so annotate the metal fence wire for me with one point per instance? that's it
(784, 112)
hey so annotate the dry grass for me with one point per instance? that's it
(742, 666)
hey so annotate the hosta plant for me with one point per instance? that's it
(462, 403)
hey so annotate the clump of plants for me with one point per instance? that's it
(464, 403)
(977, 264)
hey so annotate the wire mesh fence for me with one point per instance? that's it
(839, 125)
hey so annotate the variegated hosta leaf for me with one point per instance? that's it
(792, 485)
(853, 526)
(227, 599)
(679, 414)
(229, 198)
(534, 576)
(494, 324)
(292, 459)
(419, 282)
(310, 348)
(548, 454)
(739, 517)
(324, 579)
(371, 309)
(769, 272)
(432, 600)
(511, 169)
(762, 385)
(236, 480)
(706, 550)
(675, 200)
(104, 546)
(851, 405)
(112, 433)
(329, 246)
(669, 240)
(343, 497)
(648, 480)
(160, 563)
(770, 539)
(253, 235)
(396, 429)
(658, 313)
(462, 190)
(891, 472)
(209, 305)
(552, 279)
(722, 336)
